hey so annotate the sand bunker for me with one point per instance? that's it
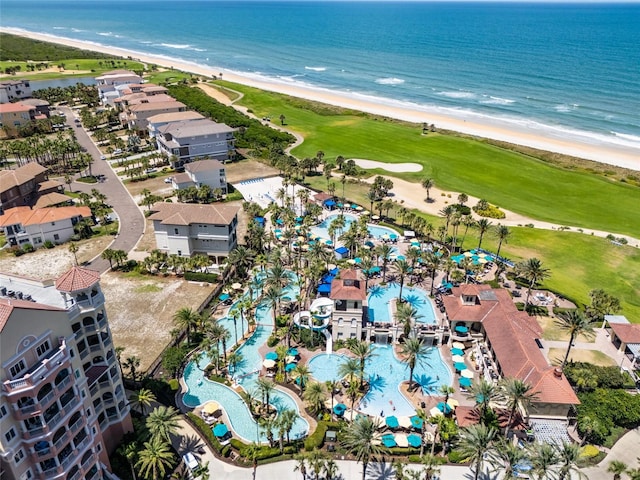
(389, 167)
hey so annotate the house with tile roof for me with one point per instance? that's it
(186, 229)
(202, 172)
(22, 225)
(22, 186)
(16, 115)
(157, 121)
(511, 346)
(625, 336)
(135, 116)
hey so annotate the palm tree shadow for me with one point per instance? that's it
(380, 471)
(427, 383)
(376, 291)
(192, 443)
(414, 300)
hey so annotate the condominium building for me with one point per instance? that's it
(11, 90)
(62, 404)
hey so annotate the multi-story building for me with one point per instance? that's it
(185, 229)
(16, 115)
(349, 297)
(163, 119)
(11, 90)
(193, 139)
(202, 172)
(20, 186)
(135, 117)
(108, 81)
(62, 405)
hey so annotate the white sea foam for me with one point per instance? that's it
(316, 69)
(390, 81)
(59, 28)
(458, 94)
(177, 46)
(497, 100)
(630, 140)
(77, 30)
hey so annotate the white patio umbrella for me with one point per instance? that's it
(404, 422)
(401, 440)
(459, 345)
(236, 286)
(467, 373)
(457, 359)
(435, 412)
(269, 363)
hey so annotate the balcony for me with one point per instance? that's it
(90, 303)
(88, 463)
(77, 425)
(52, 423)
(45, 368)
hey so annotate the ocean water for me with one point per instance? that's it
(563, 69)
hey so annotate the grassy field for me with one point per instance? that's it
(512, 180)
(577, 355)
(170, 76)
(80, 67)
(578, 263)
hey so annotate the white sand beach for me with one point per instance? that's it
(625, 157)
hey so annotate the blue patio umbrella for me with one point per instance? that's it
(271, 356)
(223, 297)
(328, 242)
(220, 430)
(459, 366)
(416, 422)
(462, 329)
(465, 382)
(392, 421)
(324, 288)
(289, 367)
(354, 206)
(334, 271)
(375, 269)
(339, 408)
(457, 351)
(444, 407)
(299, 219)
(279, 221)
(357, 260)
(401, 257)
(393, 236)
(414, 440)
(369, 244)
(292, 352)
(340, 205)
(389, 440)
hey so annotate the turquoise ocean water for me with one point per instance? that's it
(563, 69)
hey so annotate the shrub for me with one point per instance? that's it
(174, 384)
(17, 251)
(456, 457)
(485, 209)
(28, 248)
(273, 341)
(201, 277)
(226, 451)
(48, 244)
(316, 439)
(237, 444)
(589, 451)
(206, 431)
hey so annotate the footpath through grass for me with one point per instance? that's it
(511, 180)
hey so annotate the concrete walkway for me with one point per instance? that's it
(626, 450)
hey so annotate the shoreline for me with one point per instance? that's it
(605, 154)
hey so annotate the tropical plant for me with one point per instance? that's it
(507, 456)
(412, 351)
(568, 456)
(516, 394)
(362, 440)
(575, 323)
(316, 396)
(533, 272)
(502, 233)
(428, 184)
(163, 422)
(301, 374)
(363, 352)
(188, 319)
(143, 398)
(130, 452)
(544, 458)
(475, 442)
(617, 467)
(483, 225)
(155, 459)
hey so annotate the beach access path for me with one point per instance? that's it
(131, 220)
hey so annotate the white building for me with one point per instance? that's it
(202, 172)
(158, 121)
(135, 117)
(11, 90)
(21, 225)
(186, 229)
(108, 81)
(189, 140)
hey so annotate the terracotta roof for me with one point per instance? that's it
(35, 102)
(354, 291)
(175, 117)
(203, 166)
(25, 216)
(15, 107)
(19, 176)
(7, 305)
(187, 213)
(488, 300)
(77, 278)
(51, 199)
(48, 184)
(149, 107)
(626, 332)
(322, 196)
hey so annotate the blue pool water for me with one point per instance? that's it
(375, 231)
(200, 389)
(380, 297)
(385, 374)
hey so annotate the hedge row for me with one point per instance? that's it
(201, 277)
(206, 431)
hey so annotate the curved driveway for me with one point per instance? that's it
(132, 222)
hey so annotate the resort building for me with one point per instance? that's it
(16, 115)
(22, 225)
(625, 336)
(11, 90)
(107, 83)
(42, 107)
(508, 345)
(63, 408)
(135, 117)
(188, 140)
(186, 229)
(349, 297)
(202, 172)
(20, 186)
(163, 119)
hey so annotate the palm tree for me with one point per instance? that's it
(272, 296)
(427, 184)
(384, 252)
(406, 315)
(430, 465)
(617, 467)
(143, 398)
(130, 452)
(287, 418)
(267, 424)
(533, 272)
(234, 359)
(483, 393)
(301, 374)
(446, 390)
(507, 455)
(316, 396)
(483, 225)
(73, 248)
(241, 258)
(575, 323)
(251, 453)
(517, 394)
(363, 352)
(301, 465)
(265, 388)
(412, 350)
(544, 458)
(568, 455)
(333, 387)
(132, 363)
(186, 318)
(155, 459)
(502, 233)
(403, 268)
(163, 421)
(362, 440)
(475, 442)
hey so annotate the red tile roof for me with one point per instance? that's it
(189, 213)
(25, 216)
(626, 332)
(15, 107)
(7, 305)
(355, 290)
(76, 279)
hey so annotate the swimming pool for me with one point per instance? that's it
(379, 303)
(385, 373)
(201, 390)
(376, 231)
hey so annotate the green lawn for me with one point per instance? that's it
(508, 179)
(87, 66)
(169, 76)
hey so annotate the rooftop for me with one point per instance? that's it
(188, 213)
(149, 107)
(35, 102)
(349, 286)
(51, 199)
(175, 117)
(43, 292)
(8, 305)
(195, 128)
(26, 216)
(19, 176)
(204, 166)
(15, 107)
(76, 279)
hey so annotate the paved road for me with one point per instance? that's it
(132, 220)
